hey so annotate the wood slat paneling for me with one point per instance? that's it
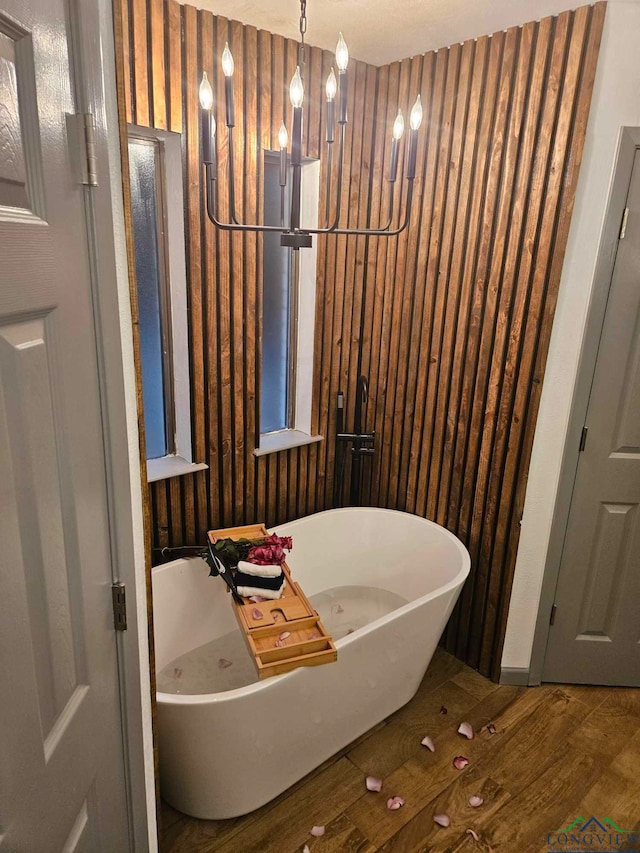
(450, 321)
(140, 60)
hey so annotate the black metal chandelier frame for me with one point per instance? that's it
(293, 235)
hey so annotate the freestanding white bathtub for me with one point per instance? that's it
(225, 754)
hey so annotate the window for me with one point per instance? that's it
(279, 321)
(155, 168)
(288, 318)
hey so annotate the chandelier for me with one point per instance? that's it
(292, 234)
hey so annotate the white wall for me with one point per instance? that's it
(616, 103)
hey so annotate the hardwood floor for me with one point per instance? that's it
(559, 752)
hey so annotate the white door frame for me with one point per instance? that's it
(629, 141)
(92, 25)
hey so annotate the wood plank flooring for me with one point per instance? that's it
(559, 752)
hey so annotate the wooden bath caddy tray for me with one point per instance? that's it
(308, 643)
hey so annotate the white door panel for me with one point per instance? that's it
(62, 783)
(596, 634)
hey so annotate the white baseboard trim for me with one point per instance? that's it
(514, 675)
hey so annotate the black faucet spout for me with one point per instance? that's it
(358, 450)
(362, 398)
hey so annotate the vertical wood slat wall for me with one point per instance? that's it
(451, 321)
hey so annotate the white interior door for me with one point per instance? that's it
(62, 780)
(595, 637)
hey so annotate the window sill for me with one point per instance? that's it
(171, 466)
(285, 440)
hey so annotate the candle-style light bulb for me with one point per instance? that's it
(396, 133)
(207, 121)
(283, 136)
(227, 70)
(415, 119)
(227, 61)
(205, 92)
(296, 89)
(332, 85)
(342, 54)
(331, 90)
(398, 126)
(342, 60)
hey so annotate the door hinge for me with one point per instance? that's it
(91, 159)
(623, 227)
(552, 618)
(82, 140)
(119, 597)
(583, 438)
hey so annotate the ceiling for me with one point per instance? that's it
(381, 31)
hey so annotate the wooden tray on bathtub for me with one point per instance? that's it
(309, 644)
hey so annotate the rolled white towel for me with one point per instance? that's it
(248, 591)
(259, 571)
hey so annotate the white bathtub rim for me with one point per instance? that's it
(247, 689)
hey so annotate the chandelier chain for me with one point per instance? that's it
(303, 30)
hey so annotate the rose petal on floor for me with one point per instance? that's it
(394, 803)
(460, 762)
(374, 784)
(491, 728)
(223, 663)
(466, 729)
(443, 710)
(317, 831)
(426, 741)
(473, 834)
(475, 801)
(442, 819)
(339, 609)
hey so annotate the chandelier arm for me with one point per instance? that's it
(327, 200)
(331, 228)
(392, 188)
(232, 182)
(211, 201)
(212, 192)
(375, 232)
